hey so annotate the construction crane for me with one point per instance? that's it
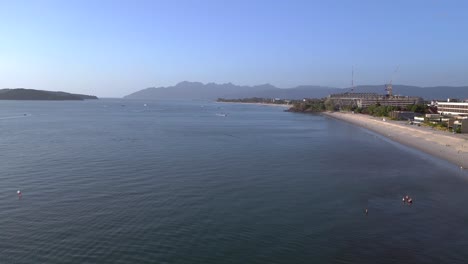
(388, 87)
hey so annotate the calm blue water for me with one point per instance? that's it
(173, 182)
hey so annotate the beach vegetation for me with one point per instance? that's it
(385, 110)
(311, 106)
(417, 108)
(330, 105)
(379, 110)
(436, 125)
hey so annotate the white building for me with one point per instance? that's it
(452, 108)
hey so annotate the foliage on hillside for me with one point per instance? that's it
(31, 94)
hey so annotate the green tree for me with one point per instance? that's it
(330, 106)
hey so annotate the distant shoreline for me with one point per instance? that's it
(22, 94)
(266, 104)
(450, 147)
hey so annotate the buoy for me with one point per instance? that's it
(19, 194)
(403, 199)
(367, 211)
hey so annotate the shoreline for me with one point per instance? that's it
(449, 147)
(266, 104)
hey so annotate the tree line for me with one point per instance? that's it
(325, 104)
(385, 110)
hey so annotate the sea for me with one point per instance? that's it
(140, 181)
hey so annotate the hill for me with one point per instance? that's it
(197, 90)
(31, 94)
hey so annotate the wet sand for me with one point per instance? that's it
(442, 144)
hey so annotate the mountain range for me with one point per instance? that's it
(211, 91)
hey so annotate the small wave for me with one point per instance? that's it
(13, 117)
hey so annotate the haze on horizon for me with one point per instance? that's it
(113, 48)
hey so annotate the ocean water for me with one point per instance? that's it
(115, 181)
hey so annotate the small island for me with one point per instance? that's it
(31, 94)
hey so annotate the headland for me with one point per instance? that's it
(31, 94)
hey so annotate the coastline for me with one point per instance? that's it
(266, 104)
(450, 147)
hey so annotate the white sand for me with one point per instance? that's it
(442, 144)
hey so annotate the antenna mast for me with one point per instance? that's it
(388, 87)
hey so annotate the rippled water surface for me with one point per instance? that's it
(114, 181)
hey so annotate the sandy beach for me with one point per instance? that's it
(442, 144)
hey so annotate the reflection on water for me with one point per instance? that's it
(171, 182)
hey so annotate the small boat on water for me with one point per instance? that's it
(224, 115)
(407, 199)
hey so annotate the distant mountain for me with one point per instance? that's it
(197, 90)
(435, 92)
(31, 94)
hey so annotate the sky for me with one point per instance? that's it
(111, 48)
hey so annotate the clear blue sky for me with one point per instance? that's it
(112, 48)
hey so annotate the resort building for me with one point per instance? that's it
(452, 108)
(363, 100)
(453, 113)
